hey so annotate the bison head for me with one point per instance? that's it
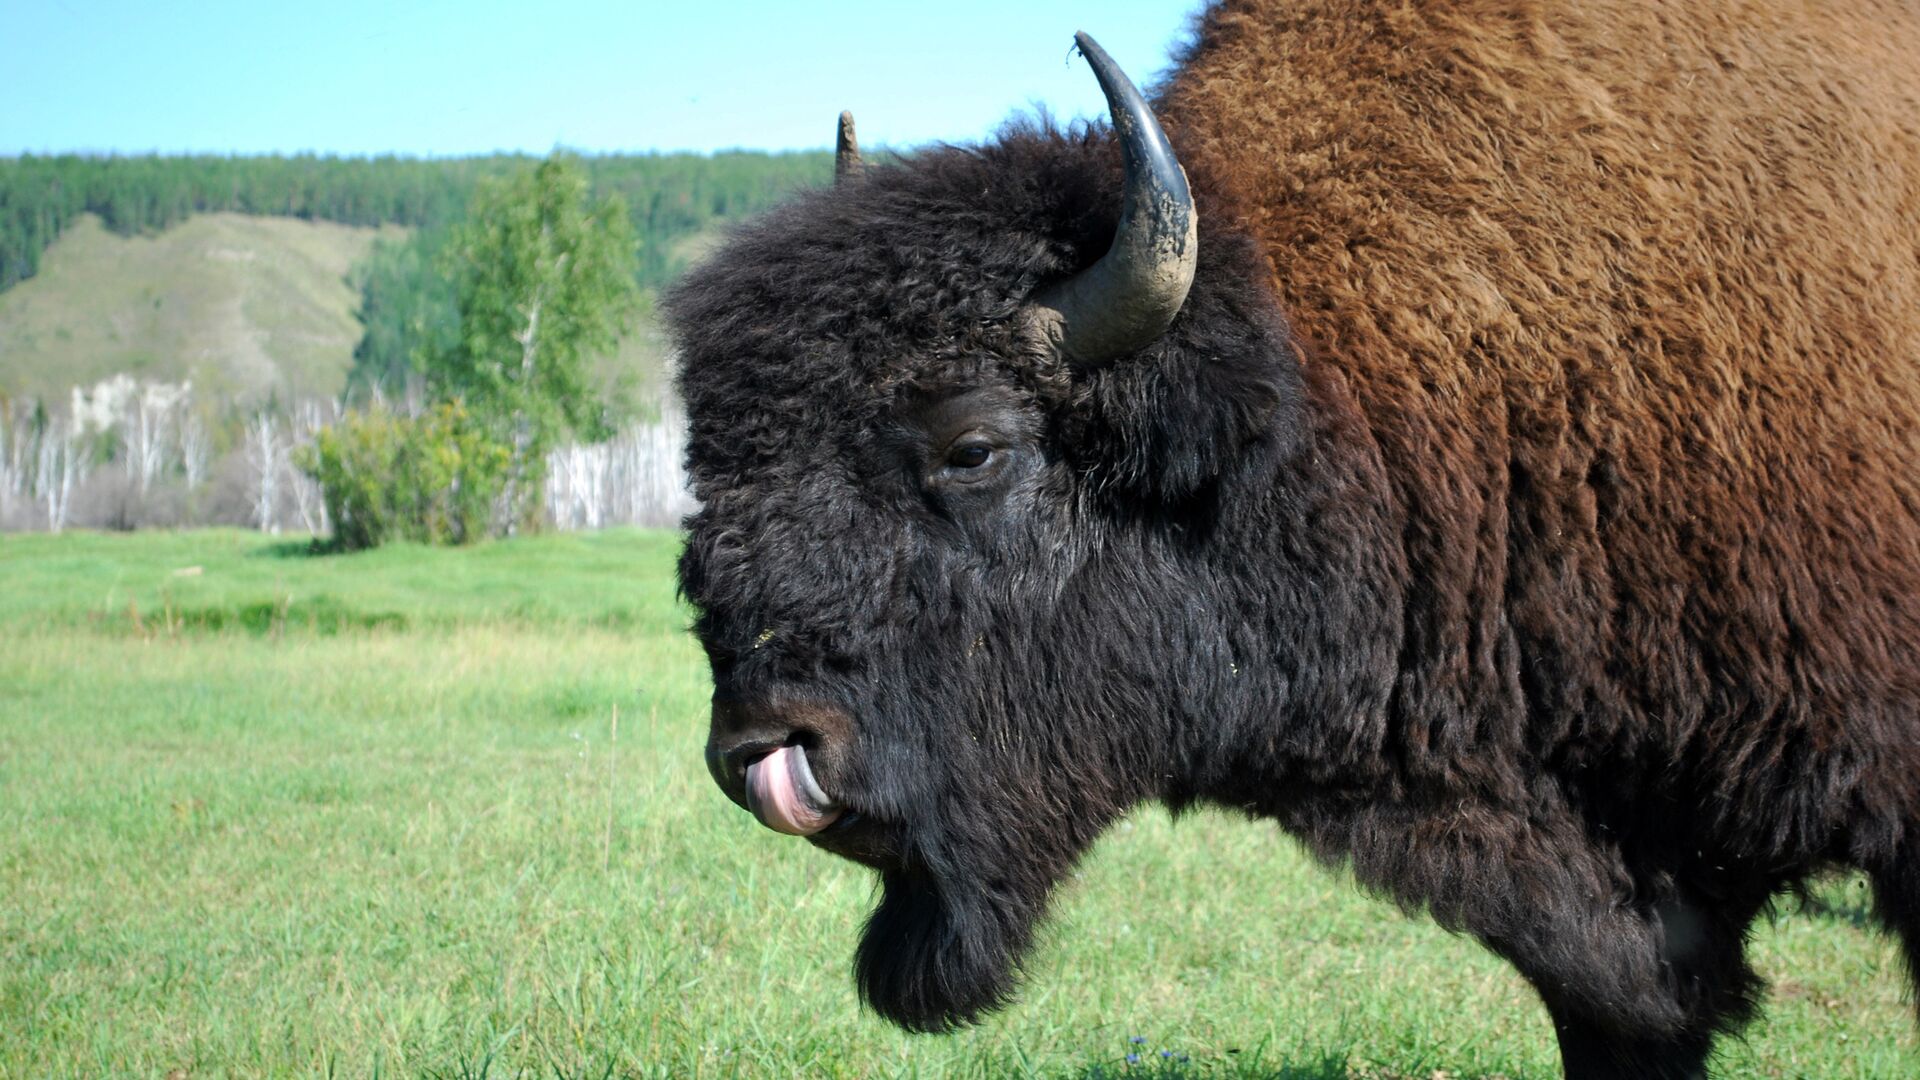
(968, 431)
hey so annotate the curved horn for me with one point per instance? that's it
(1126, 300)
(846, 151)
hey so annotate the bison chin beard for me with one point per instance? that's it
(934, 958)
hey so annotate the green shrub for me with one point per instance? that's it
(434, 478)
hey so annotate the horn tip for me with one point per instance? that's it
(846, 149)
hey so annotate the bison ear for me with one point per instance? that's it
(1222, 383)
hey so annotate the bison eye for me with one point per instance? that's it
(971, 459)
(969, 455)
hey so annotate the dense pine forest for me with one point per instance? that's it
(667, 196)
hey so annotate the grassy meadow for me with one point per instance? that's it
(442, 814)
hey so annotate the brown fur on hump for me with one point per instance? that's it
(1629, 296)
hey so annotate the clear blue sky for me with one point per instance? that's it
(354, 77)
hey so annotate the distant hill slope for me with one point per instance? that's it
(668, 195)
(242, 305)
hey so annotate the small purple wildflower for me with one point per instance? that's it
(1133, 1059)
(1137, 1039)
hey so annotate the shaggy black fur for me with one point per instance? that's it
(960, 628)
(1187, 576)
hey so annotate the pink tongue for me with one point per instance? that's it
(778, 798)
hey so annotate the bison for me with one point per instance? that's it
(1479, 436)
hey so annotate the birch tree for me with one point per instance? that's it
(309, 417)
(543, 282)
(196, 448)
(13, 461)
(145, 420)
(64, 459)
(265, 457)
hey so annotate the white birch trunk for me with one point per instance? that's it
(636, 478)
(264, 456)
(10, 469)
(62, 462)
(146, 425)
(308, 500)
(195, 449)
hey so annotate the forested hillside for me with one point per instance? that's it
(174, 330)
(668, 196)
(245, 307)
(86, 328)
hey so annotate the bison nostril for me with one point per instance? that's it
(738, 759)
(747, 729)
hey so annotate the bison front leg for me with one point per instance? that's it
(1702, 952)
(1638, 974)
(1589, 1051)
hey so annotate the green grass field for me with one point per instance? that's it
(270, 814)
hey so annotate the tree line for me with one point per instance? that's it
(538, 280)
(668, 196)
(469, 409)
